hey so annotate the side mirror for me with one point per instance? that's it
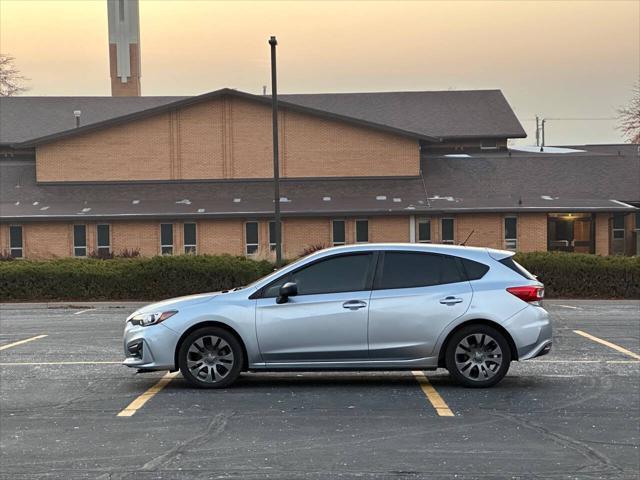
(289, 289)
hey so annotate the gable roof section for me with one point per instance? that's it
(187, 101)
(26, 118)
(451, 114)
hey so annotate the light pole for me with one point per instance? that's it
(276, 163)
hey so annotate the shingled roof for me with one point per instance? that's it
(428, 115)
(480, 183)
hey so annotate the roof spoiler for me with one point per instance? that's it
(499, 254)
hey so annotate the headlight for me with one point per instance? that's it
(146, 319)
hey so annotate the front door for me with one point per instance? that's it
(326, 321)
(416, 295)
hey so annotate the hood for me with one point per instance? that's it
(177, 303)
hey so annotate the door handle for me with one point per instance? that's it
(354, 304)
(450, 300)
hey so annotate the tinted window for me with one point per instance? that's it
(103, 235)
(346, 273)
(474, 270)
(251, 237)
(409, 270)
(189, 231)
(166, 238)
(15, 234)
(618, 221)
(510, 227)
(424, 231)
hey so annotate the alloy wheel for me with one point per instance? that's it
(210, 359)
(478, 357)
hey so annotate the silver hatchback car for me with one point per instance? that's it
(359, 307)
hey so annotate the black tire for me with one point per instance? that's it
(478, 366)
(213, 369)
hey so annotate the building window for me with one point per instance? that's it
(80, 240)
(166, 238)
(272, 235)
(15, 241)
(571, 232)
(447, 230)
(618, 226)
(424, 230)
(104, 239)
(511, 233)
(338, 236)
(189, 230)
(362, 231)
(251, 238)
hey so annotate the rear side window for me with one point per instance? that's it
(509, 262)
(410, 270)
(474, 270)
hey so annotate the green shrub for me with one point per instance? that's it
(125, 278)
(578, 275)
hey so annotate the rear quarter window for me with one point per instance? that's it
(474, 270)
(509, 262)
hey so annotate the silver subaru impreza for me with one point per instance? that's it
(359, 307)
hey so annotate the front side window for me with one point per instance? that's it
(189, 231)
(338, 233)
(447, 230)
(251, 238)
(344, 273)
(166, 238)
(272, 235)
(15, 241)
(362, 231)
(103, 239)
(80, 240)
(424, 230)
(511, 233)
(412, 270)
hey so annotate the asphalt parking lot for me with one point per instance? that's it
(572, 414)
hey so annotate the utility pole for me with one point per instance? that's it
(537, 131)
(276, 163)
(544, 120)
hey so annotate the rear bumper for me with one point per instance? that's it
(531, 331)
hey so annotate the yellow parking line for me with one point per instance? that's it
(433, 396)
(15, 344)
(608, 344)
(134, 406)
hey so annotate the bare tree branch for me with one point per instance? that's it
(11, 82)
(629, 117)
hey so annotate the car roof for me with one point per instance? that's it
(458, 250)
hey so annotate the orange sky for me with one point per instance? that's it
(560, 59)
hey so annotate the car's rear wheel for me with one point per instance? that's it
(478, 356)
(210, 357)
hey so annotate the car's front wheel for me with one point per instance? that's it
(210, 357)
(478, 356)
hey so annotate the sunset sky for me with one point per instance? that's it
(572, 59)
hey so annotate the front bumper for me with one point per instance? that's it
(149, 348)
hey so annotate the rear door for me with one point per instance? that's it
(415, 296)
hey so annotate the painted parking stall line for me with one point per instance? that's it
(608, 344)
(85, 362)
(438, 403)
(139, 402)
(20, 342)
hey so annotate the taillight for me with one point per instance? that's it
(530, 293)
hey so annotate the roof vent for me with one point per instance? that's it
(86, 209)
(44, 208)
(397, 200)
(35, 203)
(77, 113)
(201, 210)
(184, 201)
(326, 199)
(381, 197)
(237, 200)
(135, 202)
(284, 200)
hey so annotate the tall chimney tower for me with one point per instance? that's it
(124, 47)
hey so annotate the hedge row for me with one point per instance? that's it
(125, 278)
(577, 275)
(564, 275)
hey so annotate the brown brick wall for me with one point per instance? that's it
(132, 87)
(226, 138)
(142, 236)
(603, 233)
(532, 232)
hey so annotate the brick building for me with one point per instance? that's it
(174, 175)
(192, 174)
